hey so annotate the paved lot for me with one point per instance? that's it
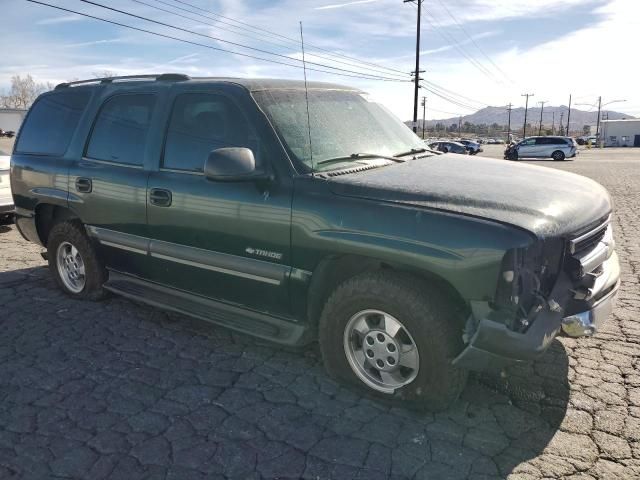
(118, 390)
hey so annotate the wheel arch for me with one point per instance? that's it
(336, 269)
(47, 215)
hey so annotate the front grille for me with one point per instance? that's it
(588, 241)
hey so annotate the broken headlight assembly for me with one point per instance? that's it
(527, 276)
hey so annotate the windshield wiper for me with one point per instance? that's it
(413, 151)
(358, 156)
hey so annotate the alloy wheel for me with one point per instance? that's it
(381, 351)
(71, 267)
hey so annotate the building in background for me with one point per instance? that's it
(11, 119)
(621, 133)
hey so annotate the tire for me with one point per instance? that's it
(558, 156)
(433, 325)
(70, 237)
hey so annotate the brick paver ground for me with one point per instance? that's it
(123, 391)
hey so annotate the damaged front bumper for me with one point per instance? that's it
(493, 345)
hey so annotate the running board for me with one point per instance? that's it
(260, 325)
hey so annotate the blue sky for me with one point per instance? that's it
(488, 51)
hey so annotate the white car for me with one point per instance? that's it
(558, 148)
(6, 200)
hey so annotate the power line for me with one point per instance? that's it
(140, 17)
(464, 30)
(242, 54)
(446, 90)
(209, 12)
(460, 98)
(448, 99)
(278, 43)
(458, 47)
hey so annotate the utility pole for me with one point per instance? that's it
(598, 124)
(424, 111)
(526, 108)
(569, 116)
(541, 110)
(417, 71)
(553, 124)
(561, 117)
(459, 126)
(509, 108)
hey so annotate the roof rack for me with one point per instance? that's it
(163, 77)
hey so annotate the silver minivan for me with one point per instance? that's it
(558, 148)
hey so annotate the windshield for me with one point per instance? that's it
(343, 123)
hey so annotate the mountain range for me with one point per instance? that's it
(491, 115)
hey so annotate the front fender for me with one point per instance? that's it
(465, 251)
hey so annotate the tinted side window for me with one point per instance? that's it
(121, 128)
(52, 122)
(202, 122)
(545, 141)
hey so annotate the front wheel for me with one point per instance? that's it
(558, 156)
(74, 263)
(394, 337)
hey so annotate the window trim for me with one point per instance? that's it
(15, 150)
(216, 93)
(104, 102)
(115, 164)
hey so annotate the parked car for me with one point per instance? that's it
(449, 147)
(9, 134)
(6, 200)
(472, 147)
(558, 148)
(205, 197)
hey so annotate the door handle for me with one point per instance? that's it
(160, 197)
(84, 185)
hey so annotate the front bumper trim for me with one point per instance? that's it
(587, 323)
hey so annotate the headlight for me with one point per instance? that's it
(526, 277)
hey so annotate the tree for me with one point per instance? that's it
(586, 129)
(23, 92)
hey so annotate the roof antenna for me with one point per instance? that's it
(306, 96)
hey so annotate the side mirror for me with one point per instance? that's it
(232, 164)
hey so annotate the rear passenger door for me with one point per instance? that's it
(545, 146)
(107, 185)
(228, 241)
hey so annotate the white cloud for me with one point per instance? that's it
(596, 60)
(341, 5)
(59, 20)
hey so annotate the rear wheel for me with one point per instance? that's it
(394, 337)
(74, 263)
(558, 156)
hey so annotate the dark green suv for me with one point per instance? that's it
(224, 199)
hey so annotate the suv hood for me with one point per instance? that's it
(545, 201)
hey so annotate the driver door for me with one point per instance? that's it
(527, 148)
(228, 241)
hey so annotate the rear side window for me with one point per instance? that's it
(120, 131)
(51, 123)
(202, 122)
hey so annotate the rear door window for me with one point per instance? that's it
(120, 131)
(51, 123)
(202, 122)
